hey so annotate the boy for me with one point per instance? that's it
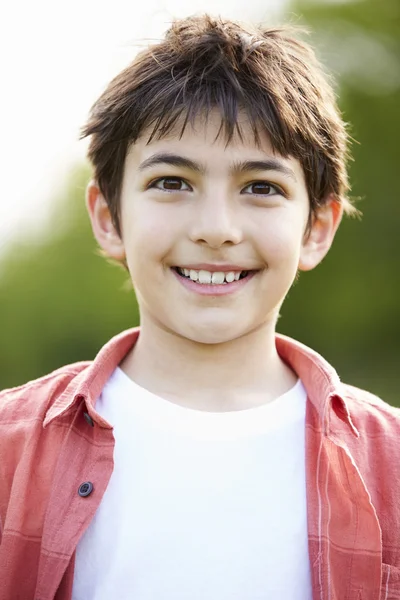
(204, 456)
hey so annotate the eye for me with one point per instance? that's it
(262, 188)
(170, 184)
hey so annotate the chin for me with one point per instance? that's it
(212, 333)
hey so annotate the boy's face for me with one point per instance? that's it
(208, 209)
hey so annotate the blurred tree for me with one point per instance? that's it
(60, 300)
(348, 308)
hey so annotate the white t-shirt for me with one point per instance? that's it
(200, 505)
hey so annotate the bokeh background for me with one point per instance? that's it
(60, 302)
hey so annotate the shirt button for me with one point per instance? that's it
(85, 489)
(88, 419)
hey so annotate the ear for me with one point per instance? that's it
(319, 238)
(102, 225)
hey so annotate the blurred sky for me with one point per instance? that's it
(56, 58)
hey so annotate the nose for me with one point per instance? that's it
(215, 223)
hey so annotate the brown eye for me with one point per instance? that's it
(262, 188)
(171, 184)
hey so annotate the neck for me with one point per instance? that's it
(233, 375)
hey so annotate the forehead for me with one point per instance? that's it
(205, 140)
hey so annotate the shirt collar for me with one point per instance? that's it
(88, 384)
(324, 389)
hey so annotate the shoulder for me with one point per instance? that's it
(30, 401)
(376, 447)
(371, 414)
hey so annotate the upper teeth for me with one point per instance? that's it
(218, 277)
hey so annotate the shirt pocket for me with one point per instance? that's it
(390, 586)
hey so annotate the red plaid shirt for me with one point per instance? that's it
(52, 442)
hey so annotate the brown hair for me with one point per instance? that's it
(205, 62)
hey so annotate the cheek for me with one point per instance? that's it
(148, 236)
(280, 240)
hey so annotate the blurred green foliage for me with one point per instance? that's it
(348, 308)
(60, 302)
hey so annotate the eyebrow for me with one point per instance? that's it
(269, 164)
(175, 160)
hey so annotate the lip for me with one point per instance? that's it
(205, 289)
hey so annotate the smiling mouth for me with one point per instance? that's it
(203, 277)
